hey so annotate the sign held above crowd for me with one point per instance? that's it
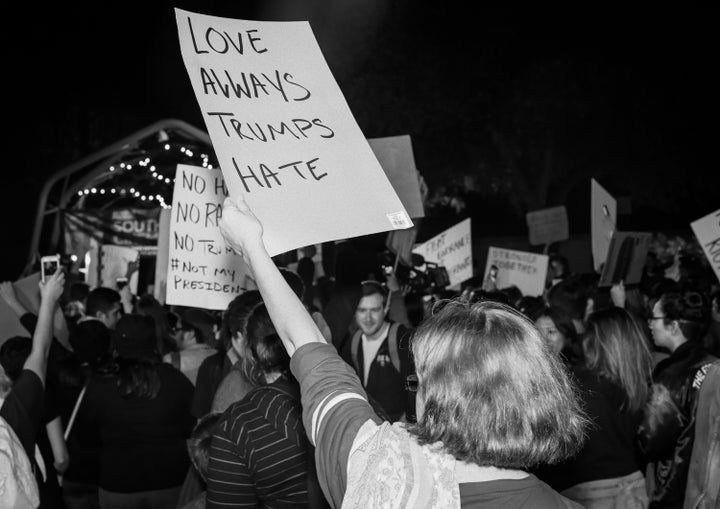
(707, 231)
(527, 271)
(547, 225)
(395, 155)
(603, 220)
(201, 271)
(451, 249)
(283, 133)
(626, 258)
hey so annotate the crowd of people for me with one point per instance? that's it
(362, 392)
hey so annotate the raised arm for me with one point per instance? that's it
(50, 292)
(243, 232)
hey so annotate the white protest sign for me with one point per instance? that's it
(118, 262)
(707, 231)
(283, 133)
(161, 260)
(603, 218)
(202, 271)
(451, 249)
(525, 270)
(395, 155)
(547, 225)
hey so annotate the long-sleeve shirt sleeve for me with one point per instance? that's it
(335, 407)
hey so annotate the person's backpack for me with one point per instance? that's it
(392, 346)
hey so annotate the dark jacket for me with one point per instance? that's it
(665, 437)
(385, 385)
(703, 486)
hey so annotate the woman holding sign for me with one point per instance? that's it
(491, 398)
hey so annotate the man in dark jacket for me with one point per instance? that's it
(668, 430)
(380, 353)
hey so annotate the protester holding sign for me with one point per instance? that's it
(479, 465)
(259, 454)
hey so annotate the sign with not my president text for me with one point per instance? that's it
(202, 271)
(283, 133)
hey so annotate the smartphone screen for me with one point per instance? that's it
(49, 266)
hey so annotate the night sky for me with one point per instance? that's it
(629, 97)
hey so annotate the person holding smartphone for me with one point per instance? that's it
(22, 409)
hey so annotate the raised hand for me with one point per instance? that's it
(617, 294)
(51, 290)
(239, 227)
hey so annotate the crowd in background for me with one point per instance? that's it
(150, 405)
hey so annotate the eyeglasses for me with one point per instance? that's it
(650, 319)
(411, 383)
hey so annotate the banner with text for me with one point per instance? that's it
(603, 219)
(283, 133)
(547, 225)
(133, 227)
(707, 231)
(525, 270)
(451, 249)
(202, 271)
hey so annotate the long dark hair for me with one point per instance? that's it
(137, 377)
(136, 363)
(268, 352)
(615, 346)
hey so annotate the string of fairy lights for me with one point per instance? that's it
(152, 171)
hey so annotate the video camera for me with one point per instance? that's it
(423, 277)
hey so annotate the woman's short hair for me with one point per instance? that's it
(615, 347)
(691, 309)
(492, 391)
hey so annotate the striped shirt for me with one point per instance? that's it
(258, 454)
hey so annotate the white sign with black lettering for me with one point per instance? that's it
(202, 271)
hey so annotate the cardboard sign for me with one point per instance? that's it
(451, 249)
(547, 225)
(401, 243)
(10, 323)
(27, 292)
(163, 255)
(525, 270)
(395, 155)
(283, 133)
(707, 231)
(626, 258)
(202, 271)
(603, 218)
(118, 262)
